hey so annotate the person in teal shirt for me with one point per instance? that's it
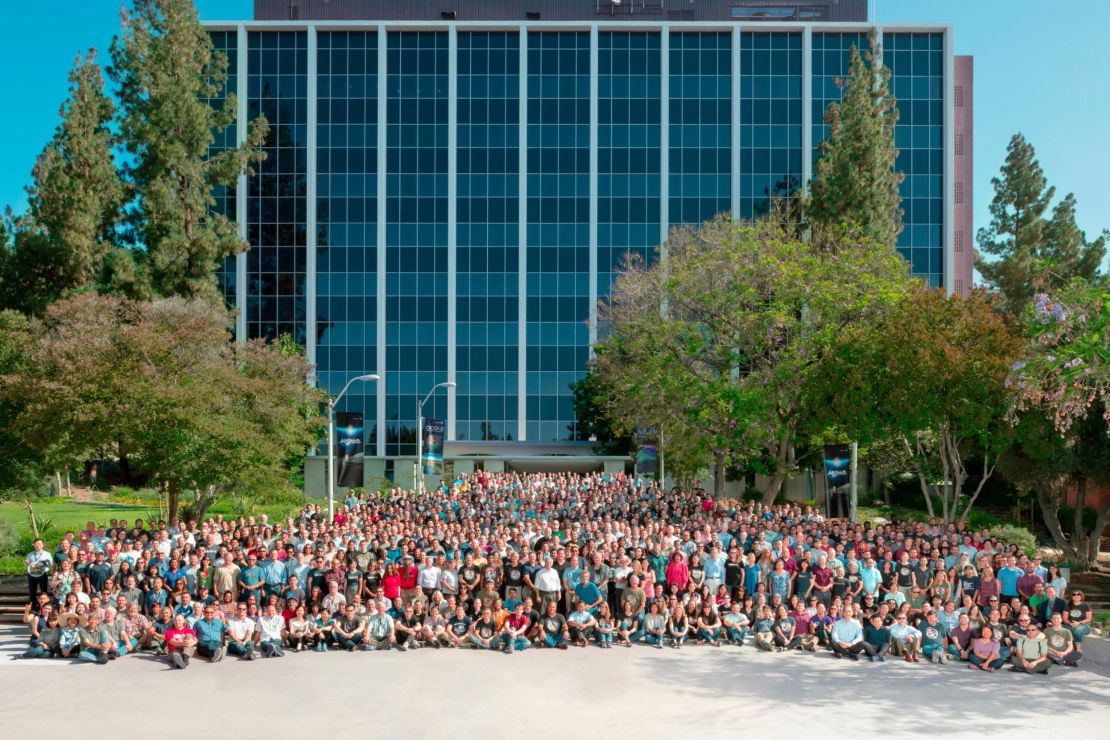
(934, 639)
(871, 577)
(251, 580)
(210, 635)
(588, 593)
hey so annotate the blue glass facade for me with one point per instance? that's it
(347, 217)
(488, 241)
(461, 292)
(916, 62)
(226, 43)
(770, 119)
(276, 208)
(700, 132)
(558, 228)
(628, 148)
(416, 231)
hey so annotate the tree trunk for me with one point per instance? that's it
(1048, 497)
(785, 456)
(1096, 536)
(773, 489)
(58, 482)
(31, 516)
(173, 493)
(1078, 531)
(719, 460)
(125, 470)
(916, 463)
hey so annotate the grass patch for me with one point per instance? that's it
(68, 515)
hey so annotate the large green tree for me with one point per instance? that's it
(1024, 247)
(716, 341)
(931, 372)
(160, 386)
(1053, 464)
(856, 181)
(63, 242)
(167, 72)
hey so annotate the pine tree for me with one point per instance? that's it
(1021, 198)
(166, 71)
(855, 180)
(61, 242)
(1030, 249)
(1067, 253)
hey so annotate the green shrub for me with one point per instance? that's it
(9, 538)
(12, 565)
(982, 519)
(1019, 536)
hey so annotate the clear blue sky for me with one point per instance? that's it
(1040, 68)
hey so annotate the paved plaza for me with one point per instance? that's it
(639, 692)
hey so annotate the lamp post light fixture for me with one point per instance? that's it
(332, 403)
(420, 432)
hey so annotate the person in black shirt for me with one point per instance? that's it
(483, 632)
(553, 628)
(458, 628)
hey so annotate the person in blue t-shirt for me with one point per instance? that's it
(588, 593)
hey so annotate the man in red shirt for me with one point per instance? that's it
(516, 627)
(181, 641)
(408, 580)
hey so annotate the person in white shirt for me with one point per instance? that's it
(427, 578)
(241, 634)
(335, 600)
(271, 631)
(547, 584)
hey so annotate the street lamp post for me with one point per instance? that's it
(332, 403)
(420, 433)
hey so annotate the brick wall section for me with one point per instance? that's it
(1097, 496)
(963, 233)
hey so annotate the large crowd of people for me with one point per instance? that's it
(508, 561)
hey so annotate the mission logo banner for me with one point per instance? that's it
(348, 449)
(838, 459)
(647, 458)
(433, 446)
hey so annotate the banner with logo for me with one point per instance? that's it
(349, 449)
(647, 458)
(433, 446)
(838, 460)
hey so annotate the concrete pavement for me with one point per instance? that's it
(639, 692)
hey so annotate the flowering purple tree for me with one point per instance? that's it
(1067, 368)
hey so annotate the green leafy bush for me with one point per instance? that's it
(1019, 536)
(9, 538)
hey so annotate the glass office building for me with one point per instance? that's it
(447, 198)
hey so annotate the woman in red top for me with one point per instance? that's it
(678, 574)
(391, 582)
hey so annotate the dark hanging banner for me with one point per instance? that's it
(647, 458)
(433, 446)
(348, 449)
(838, 460)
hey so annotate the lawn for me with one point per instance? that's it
(62, 516)
(69, 515)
